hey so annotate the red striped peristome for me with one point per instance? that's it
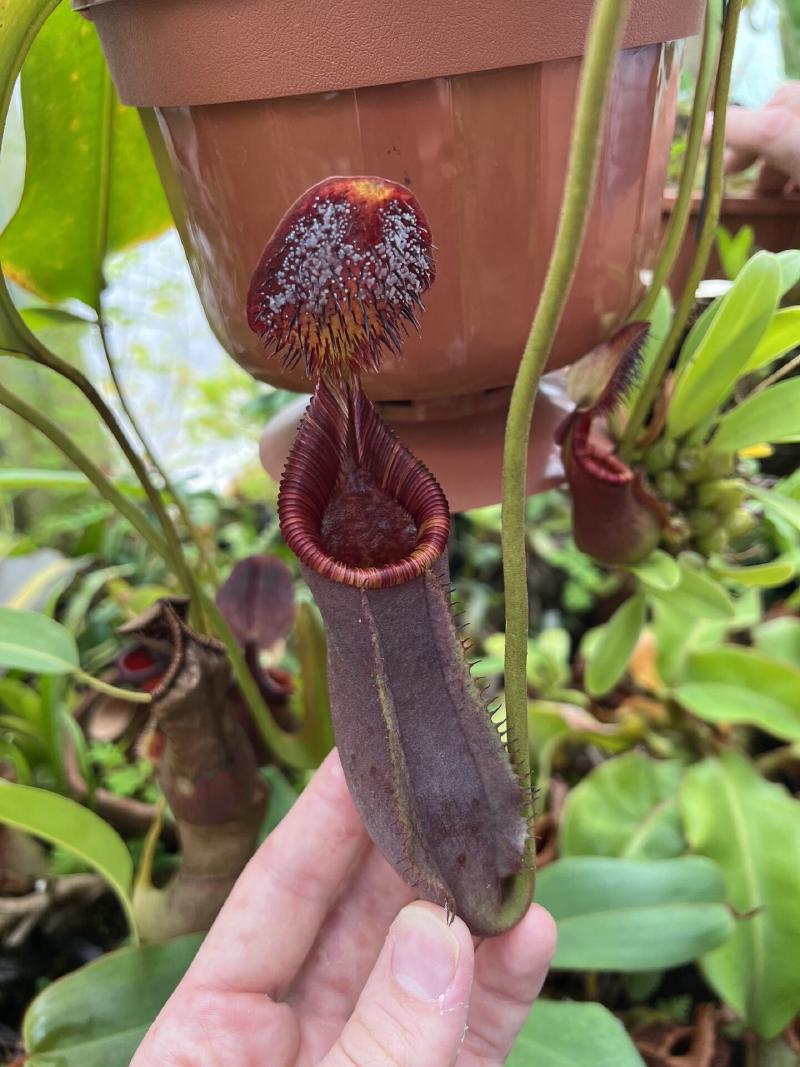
(341, 431)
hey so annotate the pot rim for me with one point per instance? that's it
(167, 53)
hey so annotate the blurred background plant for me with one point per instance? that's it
(664, 696)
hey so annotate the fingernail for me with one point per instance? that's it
(425, 953)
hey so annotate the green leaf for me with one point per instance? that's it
(733, 684)
(790, 269)
(33, 642)
(780, 638)
(762, 575)
(626, 807)
(773, 500)
(611, 651)
(770, 416)
(780, 337)
(63, 822)
(698, 595)
(633, 915)
(91, 186)
(734, 249)
(566, 1034)
(707, 378)
(20, 21)
(659, 570)
(98, 1015)
(751, 828)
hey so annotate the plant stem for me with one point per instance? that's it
(676, 227)
(42, 355)
(79, 459)
(113, 690)
(177, 499)
(283, 745)
(605, 35)
(290, 748)
(716, 159)
(776, 376)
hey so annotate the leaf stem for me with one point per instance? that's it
(679, 216)
(287, 748)
(177, 499)
(292, 749)
(112, 690)
(79, 459)
(605, 35)
(716, 160)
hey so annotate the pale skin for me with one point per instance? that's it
(770, 134)
(321, 956)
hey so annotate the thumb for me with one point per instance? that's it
(413, 1010)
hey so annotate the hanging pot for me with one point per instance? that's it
(467, 103)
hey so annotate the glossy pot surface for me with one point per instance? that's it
(485, 153)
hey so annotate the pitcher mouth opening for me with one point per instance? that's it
(355, 506)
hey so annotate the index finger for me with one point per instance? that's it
(273, 914)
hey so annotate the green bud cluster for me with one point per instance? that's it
(705, 497)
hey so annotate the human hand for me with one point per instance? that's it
(319, 958)
(771, 134)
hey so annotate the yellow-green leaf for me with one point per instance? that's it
(706, 379)
(33, 642)
(63, 822)
(771, 415)
(91, 185)
(780, 337)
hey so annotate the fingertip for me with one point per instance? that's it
(432, 953)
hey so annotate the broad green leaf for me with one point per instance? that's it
(751, 828)
(780, 337)
(734, 684)
(98, 1015)
(698, 332)
(40, 591)
(567, 1034)
(20, 21)
(707, 378)
(33, 642)
(762, 575)
(63, 822)
(633, 915)
(626, 807)
(91, 186)
(780, 639)
(698, 595)
(773, 500)
(790, 269)
(659, 570)
(611, 651)
(771, 416)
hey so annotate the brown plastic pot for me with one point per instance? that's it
(467, 103)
